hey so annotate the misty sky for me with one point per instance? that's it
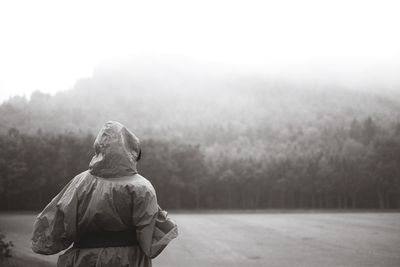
(48, 45)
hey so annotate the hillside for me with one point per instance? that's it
(212, 139)
(197, 106)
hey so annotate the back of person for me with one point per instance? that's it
(107, 204)
(109, 213)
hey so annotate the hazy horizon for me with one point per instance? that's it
(317, 77)
(49, 46)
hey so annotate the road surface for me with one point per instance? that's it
(259, 239)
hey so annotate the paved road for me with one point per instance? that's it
(263, 239)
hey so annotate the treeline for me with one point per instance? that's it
(355, 165)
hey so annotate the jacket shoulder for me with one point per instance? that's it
(141, 185)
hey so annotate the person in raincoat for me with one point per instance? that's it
(109, 213)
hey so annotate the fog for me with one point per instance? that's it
(49, 46)
(264, 123)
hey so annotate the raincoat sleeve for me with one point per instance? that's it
(154, 230)
(55, 227)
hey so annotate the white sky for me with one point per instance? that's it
(48, 45)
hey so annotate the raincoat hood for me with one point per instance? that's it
(117, 152)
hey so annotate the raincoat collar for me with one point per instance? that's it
(117, 152)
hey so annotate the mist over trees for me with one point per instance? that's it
(211, 141)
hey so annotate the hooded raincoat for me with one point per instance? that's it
(110, 196)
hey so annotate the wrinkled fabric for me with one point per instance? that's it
(93, 203)
(117, 151)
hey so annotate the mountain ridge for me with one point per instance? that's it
(175, 104)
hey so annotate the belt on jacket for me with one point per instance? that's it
(103, 239)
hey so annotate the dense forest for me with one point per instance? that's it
(353, 167)
(211, 141)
